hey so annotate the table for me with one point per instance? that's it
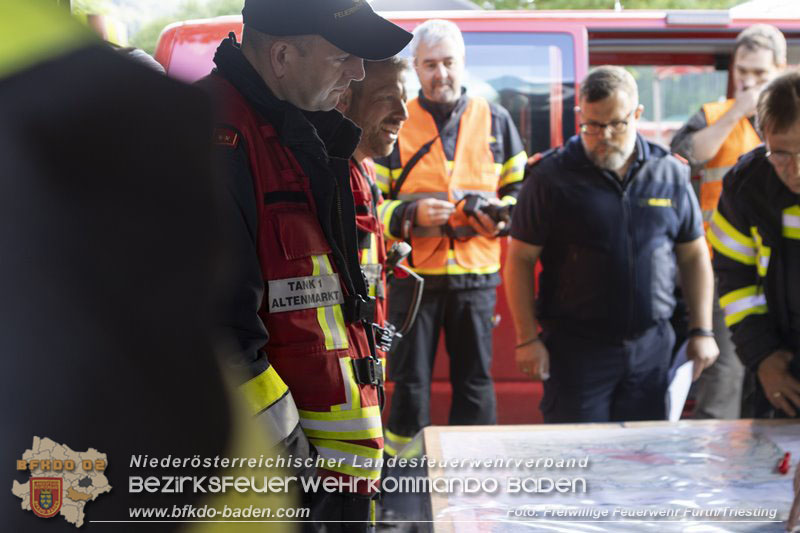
(646, 476)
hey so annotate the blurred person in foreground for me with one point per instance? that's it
(111, 265)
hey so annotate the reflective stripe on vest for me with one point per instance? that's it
(472, 170)
(311, 349)
(330, 318)
(791, 222)
(742, 303)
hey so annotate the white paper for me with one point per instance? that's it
(681, 372)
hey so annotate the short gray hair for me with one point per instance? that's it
(604, 81)
(433, 31)
(764, 37)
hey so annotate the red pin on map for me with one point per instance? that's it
(783, 464)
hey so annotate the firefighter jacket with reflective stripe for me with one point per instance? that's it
(310, 271)
(741, 140)
(371, 245)
(476, 150)
(754, 226)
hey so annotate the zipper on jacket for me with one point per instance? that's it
(626, 216)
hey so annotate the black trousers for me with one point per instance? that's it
(467, 318)
(339, 513)
(600, 381)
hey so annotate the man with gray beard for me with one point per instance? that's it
(611, 216)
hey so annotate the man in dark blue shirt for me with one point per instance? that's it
(607, 214)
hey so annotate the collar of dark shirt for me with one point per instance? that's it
(576, 157)
(329, 130)
(442, 112)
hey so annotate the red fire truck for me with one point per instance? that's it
(531, 62)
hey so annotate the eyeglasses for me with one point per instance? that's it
(617, 126)
(781, 158)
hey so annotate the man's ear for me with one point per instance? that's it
(639, 111)
(279, 54)
(345, 101)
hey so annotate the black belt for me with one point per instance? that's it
(368, 371)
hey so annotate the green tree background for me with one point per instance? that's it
(147, 37)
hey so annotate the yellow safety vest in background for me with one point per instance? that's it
(741, 140)
(473, 170)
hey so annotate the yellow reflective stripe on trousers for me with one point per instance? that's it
(453, 268)
(352, 424)
(34, 32)
(762, 252)
(728, 241)
(393, 443)
(356, 461)
(742, 303)
(330, 318)
(791, 222)
(385, 211)
(513, 170)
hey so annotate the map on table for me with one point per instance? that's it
(688, 476)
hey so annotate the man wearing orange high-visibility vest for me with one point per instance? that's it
(713, 140)
(449, 184)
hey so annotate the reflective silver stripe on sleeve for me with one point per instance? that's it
(745, 303)
(749, 251)
(791, 221)
(309, 292)
(280, 418)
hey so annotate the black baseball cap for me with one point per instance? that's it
(351, 25)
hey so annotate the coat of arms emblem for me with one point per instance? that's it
(46, 496)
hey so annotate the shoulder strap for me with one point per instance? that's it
(424, 149)
(455, 119)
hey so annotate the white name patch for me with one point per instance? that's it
(293, 294)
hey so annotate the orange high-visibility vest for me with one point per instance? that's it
(741, 140)
(472, 171)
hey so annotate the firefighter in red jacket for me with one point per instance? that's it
(286, 153)
(377, 105)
